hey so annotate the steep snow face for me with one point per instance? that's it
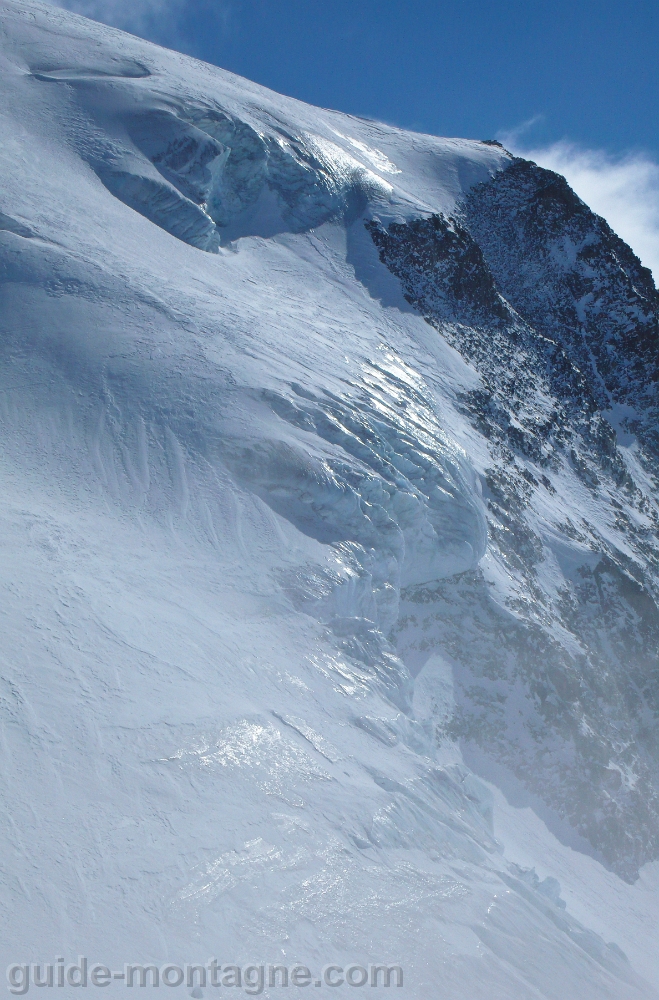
(210, 157)
(269, 400)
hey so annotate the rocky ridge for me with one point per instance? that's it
(559, 683)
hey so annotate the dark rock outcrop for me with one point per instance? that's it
(557, 672)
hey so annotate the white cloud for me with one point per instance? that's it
(624, 190)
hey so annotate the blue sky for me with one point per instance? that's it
(577, 82)
(587, 70)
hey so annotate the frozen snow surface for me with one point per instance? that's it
(323, 520)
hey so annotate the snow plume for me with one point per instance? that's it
(623, 189)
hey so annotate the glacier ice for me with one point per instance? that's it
(307, 532)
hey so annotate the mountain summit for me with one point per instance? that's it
(330, 533)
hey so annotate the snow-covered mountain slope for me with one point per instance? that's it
(329, 491)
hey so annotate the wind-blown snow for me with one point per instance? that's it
(228, 443)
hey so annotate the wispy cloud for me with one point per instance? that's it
(168, 22)
(142, 17)
(623, 189)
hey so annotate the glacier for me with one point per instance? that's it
(330, 537)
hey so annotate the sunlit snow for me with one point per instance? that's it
(209, 745)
